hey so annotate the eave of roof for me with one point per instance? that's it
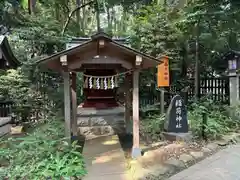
(6, 49)
(230, 53)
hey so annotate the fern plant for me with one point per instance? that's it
(41, 154)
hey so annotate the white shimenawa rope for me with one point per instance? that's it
(118, 74)
(105, 78)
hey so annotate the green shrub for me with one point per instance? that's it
(221, 119)
(234, 113)
(41, 154)
(219, 122)
(152, 126)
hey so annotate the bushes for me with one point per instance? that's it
(152, 126)
(220, 120)
(43, 153)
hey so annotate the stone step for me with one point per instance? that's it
(101, 130)
(100, 121)
(86, 112)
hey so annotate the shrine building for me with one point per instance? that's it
(101, 60)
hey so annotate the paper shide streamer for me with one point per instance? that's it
(102, 82)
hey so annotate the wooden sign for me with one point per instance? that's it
(163, 73)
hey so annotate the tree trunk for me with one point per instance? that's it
(78, 16)
(31, 6)
(98, 17)
(114, 21)
(83, 23)
(124, 20)
(57, 14)
(197, 74)
(109, 20)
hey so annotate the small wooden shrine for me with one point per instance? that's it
(101, 59)
(7, 59)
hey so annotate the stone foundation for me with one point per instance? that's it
(186, 137)
(99, 122)
(5, 126)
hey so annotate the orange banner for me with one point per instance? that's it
(163, 73)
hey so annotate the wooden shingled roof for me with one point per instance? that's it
(7, 59)
(89, 45)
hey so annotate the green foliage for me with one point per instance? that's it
(153, 33)
(31, 89)
(152, 126)
(41, 154)
(14, 86)
(234, 112)
(219, 121)
(161, 30)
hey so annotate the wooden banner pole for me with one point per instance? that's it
(162, 100)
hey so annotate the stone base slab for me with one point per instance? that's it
(5, 129)
(171, 136)
(5, 126)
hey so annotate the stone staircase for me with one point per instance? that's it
(93, 122)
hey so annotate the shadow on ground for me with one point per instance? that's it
(80, 141)
(126, 141)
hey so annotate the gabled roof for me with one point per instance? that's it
(79, 40)
(94, 38)
(7, 53)
(231, 54)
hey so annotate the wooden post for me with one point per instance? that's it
(67, 104)
(204, 124)
(197, 70)
(136, 151)
(74, 105)
(128, 103)
(162, 100)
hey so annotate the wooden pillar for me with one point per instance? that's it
(136, 151)
(74, 104)
(128, 103)
(67, 104)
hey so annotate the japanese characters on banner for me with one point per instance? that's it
(163, 73)
(101, 82)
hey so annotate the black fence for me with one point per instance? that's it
(6, 109)
(216, 87)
